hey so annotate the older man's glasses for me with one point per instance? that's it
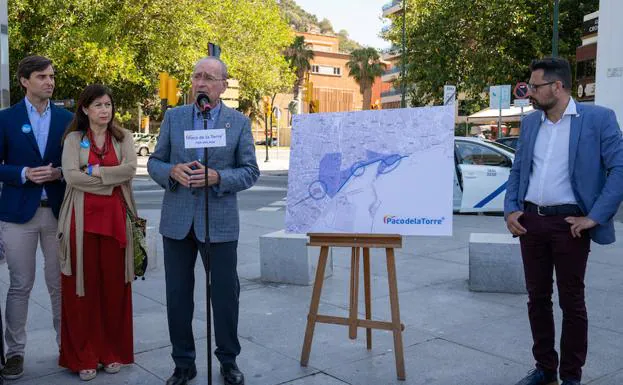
(535, 87)
(206, 77)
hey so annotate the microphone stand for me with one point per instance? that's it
(207, 254)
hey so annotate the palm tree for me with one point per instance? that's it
(299, 56)
(365, 66)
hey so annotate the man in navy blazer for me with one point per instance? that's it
(32, 192)
(564, 189)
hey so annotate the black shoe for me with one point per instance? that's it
(14, 368)
(571, 382)
(181, 376)
(539, 377)
(231, 374)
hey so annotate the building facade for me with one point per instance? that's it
(5, 96)
(331, 85)
(391, 96)
(609, 75)
(586, 59)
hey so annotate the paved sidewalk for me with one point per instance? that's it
(452, 336)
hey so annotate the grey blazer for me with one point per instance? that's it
(182, 207)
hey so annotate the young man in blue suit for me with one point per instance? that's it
(180, 172)
(564, 188)
(30, 157)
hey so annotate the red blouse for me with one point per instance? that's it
(103, 214)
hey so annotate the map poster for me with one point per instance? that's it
(378, 171)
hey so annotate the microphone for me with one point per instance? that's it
(203, 102)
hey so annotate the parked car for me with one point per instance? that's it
(481, 173)
(144, 144)
(262, 142)
(509, 141)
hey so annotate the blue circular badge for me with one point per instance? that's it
(26, 128)
(85, 143)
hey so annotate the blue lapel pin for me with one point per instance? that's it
(26, 128)
(85, 143)
(227, 125)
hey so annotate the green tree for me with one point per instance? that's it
(253, 37)
(365, 66)
(346, 44)
(296, 16)
(123, 44)
(126, 43)
(299, 57)
(325, 26)
(478, 43)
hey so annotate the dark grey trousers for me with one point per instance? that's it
(179, 263)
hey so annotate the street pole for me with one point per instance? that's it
(403, 69)
(500, 115)
(555, 30)
(140, 116)
(207, 256)
(266, 133)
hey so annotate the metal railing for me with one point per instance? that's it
(391, 92)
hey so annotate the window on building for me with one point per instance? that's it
(326, 70)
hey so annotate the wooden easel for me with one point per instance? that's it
(357, 242)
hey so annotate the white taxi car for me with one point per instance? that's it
(481, 173)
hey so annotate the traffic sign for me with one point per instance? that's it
(522, 102)
(521, 90)
(500, 97)
(449, 95)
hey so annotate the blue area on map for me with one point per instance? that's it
(333, 177)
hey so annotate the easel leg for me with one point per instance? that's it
(393, 298)
(313, 307)
(368, 294)
(354, 293)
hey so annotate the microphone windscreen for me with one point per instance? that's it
(203, 101)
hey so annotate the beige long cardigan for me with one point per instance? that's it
(74, 159)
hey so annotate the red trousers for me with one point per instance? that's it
(97, 328)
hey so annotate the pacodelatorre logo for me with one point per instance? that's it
(396, 220)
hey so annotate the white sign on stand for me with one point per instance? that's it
(500, 97)
(521, 102)
(370, 172)
(205, 138)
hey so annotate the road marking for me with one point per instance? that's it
(278, 203)
(269, 209)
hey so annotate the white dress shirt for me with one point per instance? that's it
(550, 182)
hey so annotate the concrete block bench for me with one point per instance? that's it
(495, 264)
(286, 258)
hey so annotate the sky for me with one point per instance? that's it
(361, 18)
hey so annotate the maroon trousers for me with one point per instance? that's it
(547, 247)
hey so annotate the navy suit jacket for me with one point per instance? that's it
(595, 166)
(19, 202)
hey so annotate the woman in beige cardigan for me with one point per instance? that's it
(99, 162)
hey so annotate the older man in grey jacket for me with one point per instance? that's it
(180, 172)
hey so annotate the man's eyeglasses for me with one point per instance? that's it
(206, 77)
(534, 87)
